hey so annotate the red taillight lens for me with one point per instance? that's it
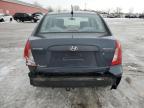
(28, 55)
(117, 59)
(27, 50)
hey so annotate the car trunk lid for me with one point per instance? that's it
(71, 54)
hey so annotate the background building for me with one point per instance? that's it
(14, 6)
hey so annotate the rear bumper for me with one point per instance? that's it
(72, 81)
(100, 79)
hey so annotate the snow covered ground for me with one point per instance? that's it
(16, 92)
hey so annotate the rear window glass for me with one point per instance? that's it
(67, 23)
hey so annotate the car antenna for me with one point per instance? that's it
(72, 11)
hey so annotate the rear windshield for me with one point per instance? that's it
(76, 23)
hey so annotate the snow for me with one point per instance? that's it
(4, 71)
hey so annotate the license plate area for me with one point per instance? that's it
(73, 56)
(70, 59)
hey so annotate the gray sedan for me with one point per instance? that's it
(73, 49)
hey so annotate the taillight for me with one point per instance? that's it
(28, 55)
(117, 59)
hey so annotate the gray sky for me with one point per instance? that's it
(126, 5)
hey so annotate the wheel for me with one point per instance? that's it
(11, 19)
(18, 20)
(2, 20)
(32, 20)
(117, 81)
(35, 21)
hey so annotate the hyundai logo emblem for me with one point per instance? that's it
(74, 48)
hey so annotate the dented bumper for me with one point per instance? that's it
(91, 78)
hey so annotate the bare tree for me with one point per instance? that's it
(108, 11)
(118, 10)
(37, 4)
(50, 9)
(76, 8)
(131, 10)
(59, 9)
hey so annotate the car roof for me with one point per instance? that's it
(68, 12)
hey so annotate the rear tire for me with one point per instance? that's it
(3, 20)
(32, 20)
(11, 19)
(35, 21)
(115, 85)
(31, 76)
